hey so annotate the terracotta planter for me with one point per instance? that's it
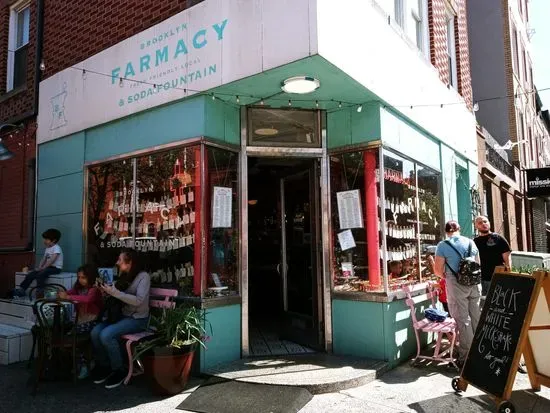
(168, 369)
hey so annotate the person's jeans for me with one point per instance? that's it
(40, 276)
(485, 287)
(464, 305)
(106, 340)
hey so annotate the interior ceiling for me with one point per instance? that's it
(336, 86)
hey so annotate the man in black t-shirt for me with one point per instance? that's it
(494, 250)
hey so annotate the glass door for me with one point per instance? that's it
(299, 256)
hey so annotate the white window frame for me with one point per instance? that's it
(12, 40)
(422, 39)
(451, 49)
(399, 13)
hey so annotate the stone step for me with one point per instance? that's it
(15, 344)
(66, 279)
(17, 312)
(318, 373)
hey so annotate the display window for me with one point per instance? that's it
(222, 222)
(167, 205)
(356, 240)
(365, 250)
(413, 216)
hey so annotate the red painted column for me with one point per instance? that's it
(197, 252)
(371, 219)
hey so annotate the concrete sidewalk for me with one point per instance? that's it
(404, 389)
(426, 390)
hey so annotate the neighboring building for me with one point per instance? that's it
(20, 48)
(501, 66)
(540, 149)
(499, 189)
(177, 138)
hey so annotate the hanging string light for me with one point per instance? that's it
(340, 103)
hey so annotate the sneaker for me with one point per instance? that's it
(18, 292)
(100, 374)
(522, 369)
(116, 379)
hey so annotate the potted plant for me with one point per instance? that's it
(167, 356)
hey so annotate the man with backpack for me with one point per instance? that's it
(456, 262)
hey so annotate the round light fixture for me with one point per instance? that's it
(300, 85)
(266, 131)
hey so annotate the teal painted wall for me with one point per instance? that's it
(225, 342)
(381, 331)
(348, 127)
(464, 202)
(358, 329)
(408, 139)
(61, 162)
(60, 196)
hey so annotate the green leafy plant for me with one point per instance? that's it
(525, 269)
(176, 328)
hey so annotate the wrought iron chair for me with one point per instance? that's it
(447, 327)
(57, 331)
(48, 288)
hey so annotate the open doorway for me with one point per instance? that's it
(283, 268)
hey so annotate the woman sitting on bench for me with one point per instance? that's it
(130, 295)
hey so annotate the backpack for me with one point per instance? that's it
(469, 271)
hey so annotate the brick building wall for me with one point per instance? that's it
(437, 22)
(17, 174)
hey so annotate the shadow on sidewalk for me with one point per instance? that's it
(64, 396)
(524, 401)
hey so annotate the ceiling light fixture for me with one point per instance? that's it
(300, 85)
(266, 131)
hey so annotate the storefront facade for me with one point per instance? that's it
(308, 211)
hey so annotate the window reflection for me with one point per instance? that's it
(401, 220)
(163, 214)
(350, 266)
(430, 216)
(109, 211)
(283, 127)
(222, 220)
(166, 217)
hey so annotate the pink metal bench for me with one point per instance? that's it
(132, 339)
(447, 327)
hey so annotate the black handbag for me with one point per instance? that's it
(112, 309)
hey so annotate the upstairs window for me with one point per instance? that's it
(419, 31)
(399, 12)
(17, 45)
(451, 50)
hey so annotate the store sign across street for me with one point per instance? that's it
(538, 182)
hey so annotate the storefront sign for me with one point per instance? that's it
(349, 209)
(222, 207)
(210, 44)
(538, 182)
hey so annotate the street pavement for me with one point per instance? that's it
(423, 389)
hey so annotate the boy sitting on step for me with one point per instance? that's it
(51, 264)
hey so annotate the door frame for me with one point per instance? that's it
(324, 306)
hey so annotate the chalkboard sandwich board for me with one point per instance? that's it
(500, 336)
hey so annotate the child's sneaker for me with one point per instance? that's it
(18, 292)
